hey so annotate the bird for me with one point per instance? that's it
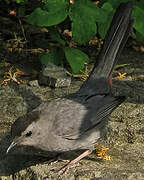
(76, 121)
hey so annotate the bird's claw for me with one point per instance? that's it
(63, 169)
(68, 166)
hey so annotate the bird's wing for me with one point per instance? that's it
(74, 119)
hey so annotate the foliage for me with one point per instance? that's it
(84, 19)
(56, 56)
(76, 59)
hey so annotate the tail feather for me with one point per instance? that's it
(125, 38)
(98, 81)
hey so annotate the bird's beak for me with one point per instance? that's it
(11, 146)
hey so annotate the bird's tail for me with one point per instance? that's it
(121, 25)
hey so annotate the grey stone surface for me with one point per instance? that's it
(54, 76)
(34, 83)
(125, 131)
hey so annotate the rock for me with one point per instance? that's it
(54, 76)
(34, 83)
(125, 132)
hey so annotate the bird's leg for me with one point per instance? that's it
(74, 161)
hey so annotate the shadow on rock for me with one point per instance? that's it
(18, 159)
(28, 96)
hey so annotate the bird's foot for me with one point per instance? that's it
(73, 162)
(101, 153)
(68, 166)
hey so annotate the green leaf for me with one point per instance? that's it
(87, 9)
(21, 1)
(76, 59)
(104, 26)
(108, 7)
(140, 3)
(56, 56)
(138, 14)
(53, 13)
(84, 15)
(139, 37)
(83, 31)
(21, 11)
(118, 66)
(56, 36)
(115, 3)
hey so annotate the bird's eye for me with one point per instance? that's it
(29, 133)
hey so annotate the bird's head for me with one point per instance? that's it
(20, 140)
(25, 130)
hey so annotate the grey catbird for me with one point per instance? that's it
(75, 122)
